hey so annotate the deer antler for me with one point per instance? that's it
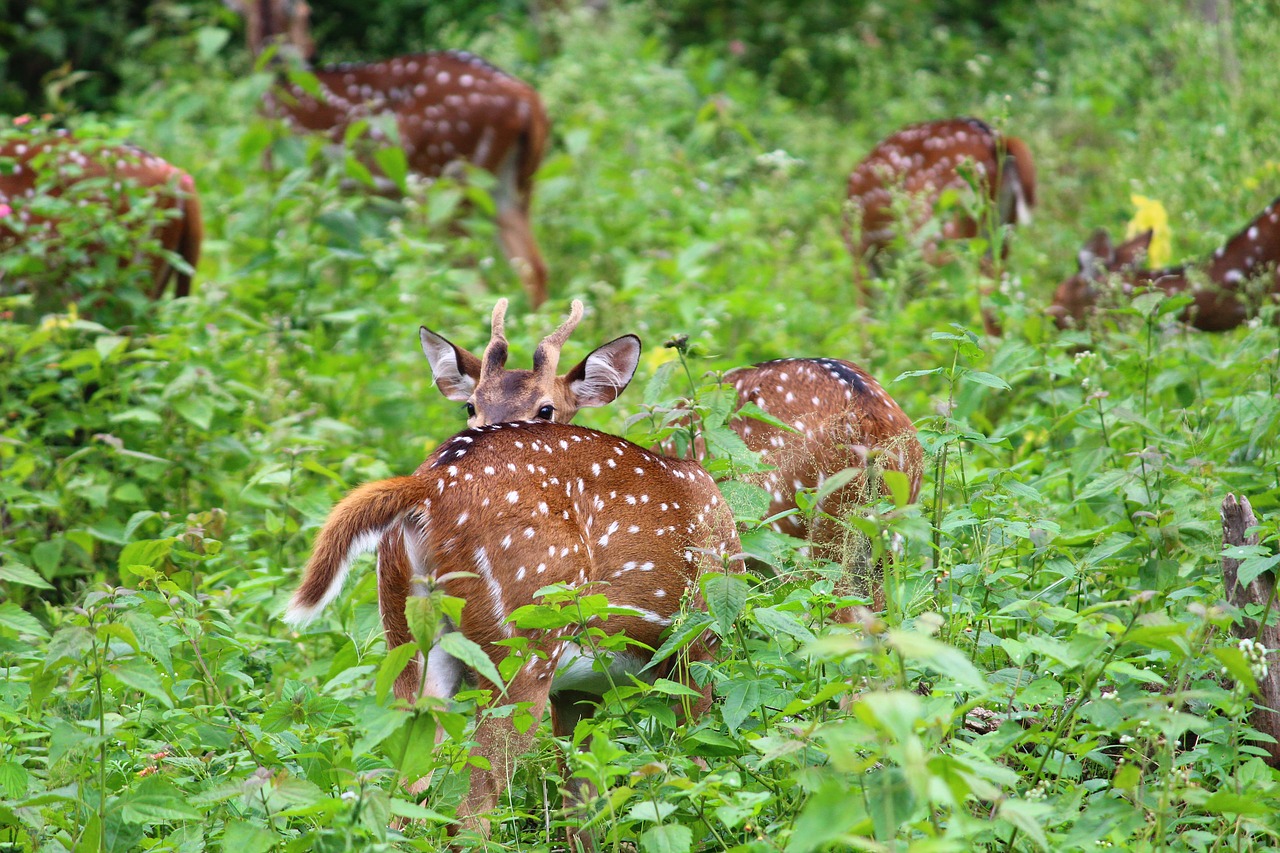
(546, 357)
(495, 354)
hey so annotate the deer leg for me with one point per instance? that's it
(394, 579)
(515, 234)
(567, 709)
(500, 744)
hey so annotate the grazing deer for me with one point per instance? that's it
(1251, 255)
(921, 162)
(448, 107)
(843, 419)
(496, 513)
(55, 164)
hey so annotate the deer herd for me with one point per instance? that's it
(521, 499)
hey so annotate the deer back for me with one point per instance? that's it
(921, 162)
(448, 107)
(54, 165)
(500, 511)
(842, 418)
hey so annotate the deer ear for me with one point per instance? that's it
(600, 377)
(1132, 253)
(1094, 257)
(454, 370)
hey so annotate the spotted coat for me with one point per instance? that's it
(54, 164)
(496, 513)
(447, 107)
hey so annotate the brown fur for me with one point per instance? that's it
(174, 189)
(497, 513)
(1251, 255)
(448, 107)
(922, 162)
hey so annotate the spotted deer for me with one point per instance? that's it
(1248, 260)
(448, 107)
(58, 165)
(500, 511)
(921, 162)
(842, 419)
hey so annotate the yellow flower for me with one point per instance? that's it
(655, 357)
(1150, 214)
(61, 321)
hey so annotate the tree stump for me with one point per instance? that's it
(1238, 517)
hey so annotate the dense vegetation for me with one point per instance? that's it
(1054, 670)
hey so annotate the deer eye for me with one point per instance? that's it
(547, 412)
(471, 409)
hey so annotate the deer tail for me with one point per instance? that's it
(354, 527)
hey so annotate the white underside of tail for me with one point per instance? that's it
(298, 614)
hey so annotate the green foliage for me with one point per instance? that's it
(1054, 669)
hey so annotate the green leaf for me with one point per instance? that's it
(1030, 818)
(404, 747)
(138, 674)
(827, 815)
(156, 800)
(741, 699)
(149, 553)
(16, 619)
(392, 665)
(391, 159)
(778, 622)
(20, 574)
(13, 780)
(749, 502)
(240, 836)
(650, 811)
(672, 838)
(725, 596)
(938, 656)
(195, 409)
(472, 655)
(988, 379)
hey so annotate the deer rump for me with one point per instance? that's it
(500, 511)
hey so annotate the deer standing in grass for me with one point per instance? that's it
(841, 416)
(499, 511)
(921, 162)
(1248, 260)
(58, 165)
(448, 107)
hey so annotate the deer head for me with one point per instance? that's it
(494, 394)
(1097, 260)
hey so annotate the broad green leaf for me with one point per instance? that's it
(156, 800)
(725, 596)
(19, 574)
(470, 654)
(672, 838)
(16, 619)
(392, 665)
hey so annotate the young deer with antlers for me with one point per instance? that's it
(496, 513)
(57, 165)
(921, 162)
(448, 107)
(841, 416)
(1248, 260)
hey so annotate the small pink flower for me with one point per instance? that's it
(21, 120)
(5, 210)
